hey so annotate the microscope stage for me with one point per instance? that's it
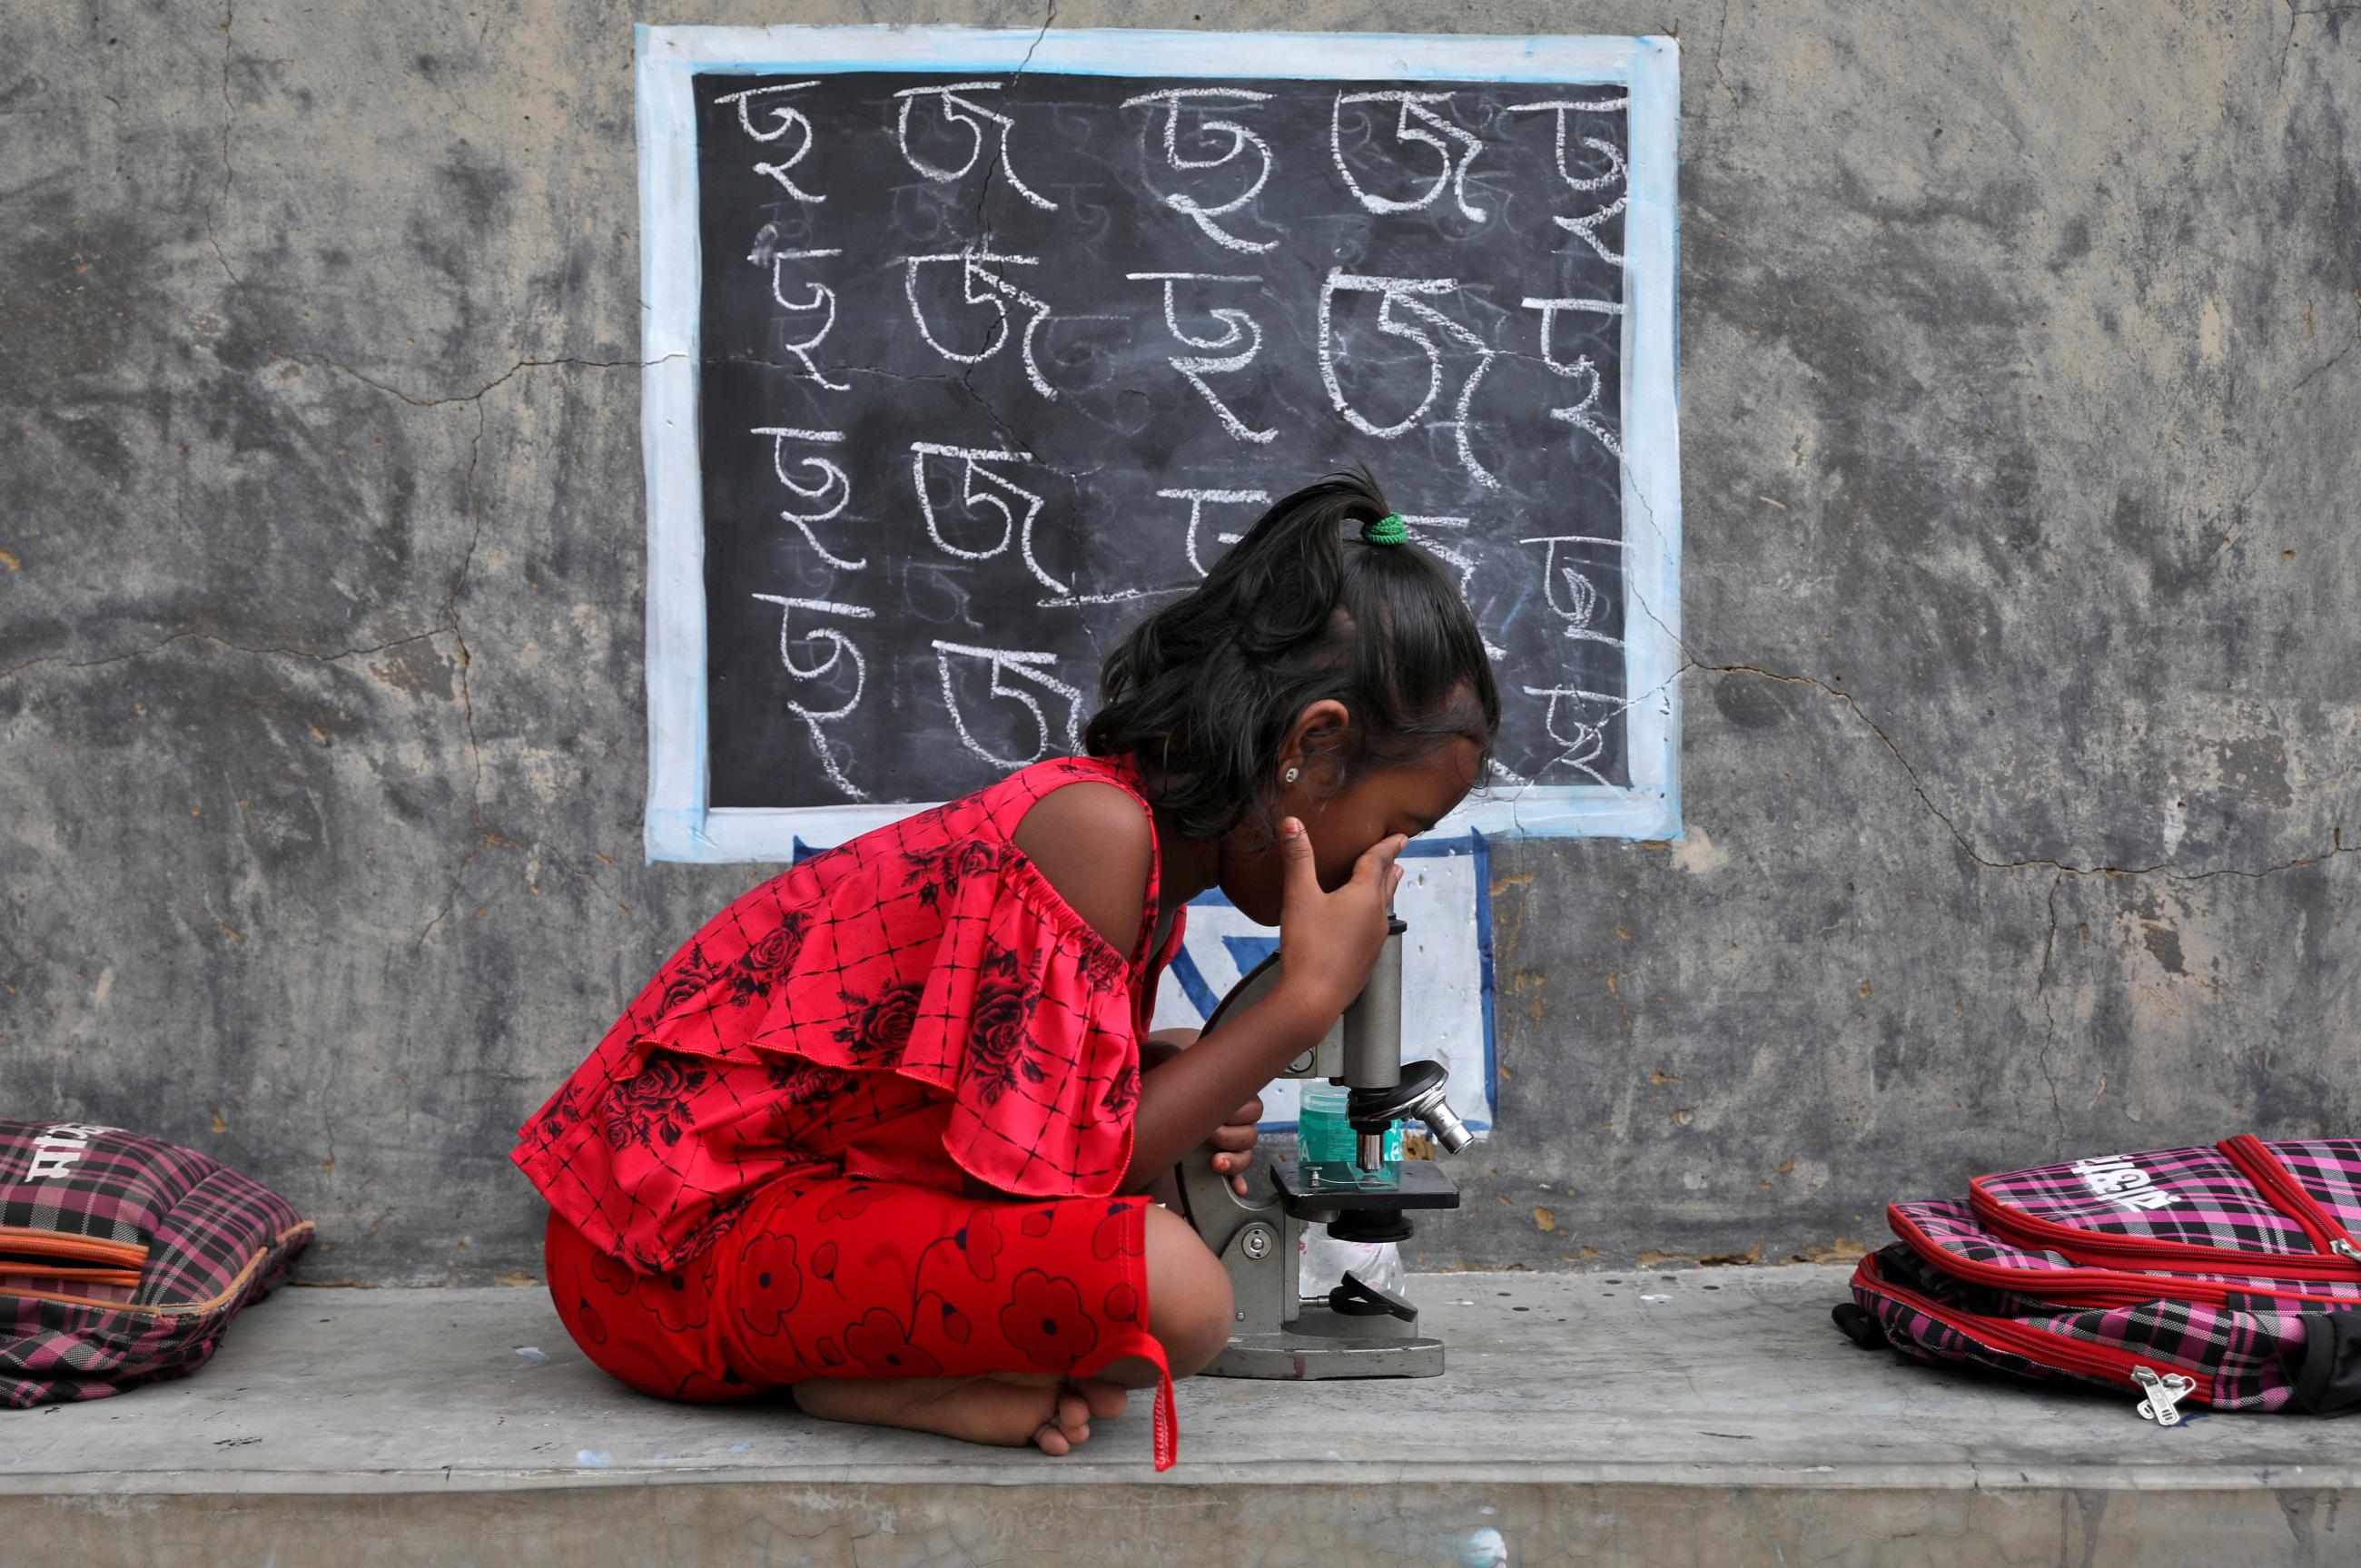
(1423, 1186)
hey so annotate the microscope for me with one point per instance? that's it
(1357, 1330)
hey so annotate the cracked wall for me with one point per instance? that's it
(2019, 400)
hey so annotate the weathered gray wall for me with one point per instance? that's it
(2020, 402)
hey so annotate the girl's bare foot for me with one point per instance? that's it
(1106, 1399)
(1008, 1408)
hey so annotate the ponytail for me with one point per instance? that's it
(1202, 693)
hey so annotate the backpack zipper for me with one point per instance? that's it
(67, 1274)
(22, 1242)
(2161, 1390)
(2075, 1243)
(2164, 1392)
(2277, 1182)
(2082, 1286)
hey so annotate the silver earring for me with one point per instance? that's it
(1288, 777)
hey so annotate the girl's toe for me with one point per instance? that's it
(1050, 1439)
(1106, 1399)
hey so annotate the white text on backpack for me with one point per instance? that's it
(2115, 1179)
(57, 1148)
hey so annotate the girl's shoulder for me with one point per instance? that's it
(932, 852)
(1092, 835)
(1006, 803)
(990, 814)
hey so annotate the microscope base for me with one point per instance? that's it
(1317, 1357)
(1320, 1344)
(1281, 1334)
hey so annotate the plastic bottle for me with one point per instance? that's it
(1323, 1260)
(1328, 1147)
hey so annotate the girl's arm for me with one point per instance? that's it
(1092, 844)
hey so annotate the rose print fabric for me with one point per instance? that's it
(917, 1006)
(849, 1277)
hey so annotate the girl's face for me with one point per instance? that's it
(1374, 804)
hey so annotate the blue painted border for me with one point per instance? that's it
(1483, 853)
(681, 826)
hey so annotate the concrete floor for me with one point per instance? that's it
(1704, 1416)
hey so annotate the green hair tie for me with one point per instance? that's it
(1387, 530)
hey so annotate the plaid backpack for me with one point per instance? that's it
(123, 1258)
(2224, 1276)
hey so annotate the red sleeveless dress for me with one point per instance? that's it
(758, 1175)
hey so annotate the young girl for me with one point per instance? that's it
(888, 1129)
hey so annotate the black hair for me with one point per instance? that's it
(1202, 693)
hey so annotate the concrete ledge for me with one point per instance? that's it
(1707, 1417)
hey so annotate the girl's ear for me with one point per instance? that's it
(1316, 729)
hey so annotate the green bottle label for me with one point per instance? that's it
(1325, 1137)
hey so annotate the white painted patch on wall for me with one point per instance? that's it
(1446, 973)
(2175, 824)
(1696, 854)
(1482, 1548)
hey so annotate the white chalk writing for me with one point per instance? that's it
(1616, 175)
(1198, 367)
(823, 298)
(1584, 413)
(980, 487)
(995, 291)
(952, 103)
(1197, 499)
(1033, 539)
(840, 647)
(1034, 667)
(1430, 130)
(1398, 297)
(1569, 591)
(1177, 101)
(831, 478)
(1583, 743)
(788, 116)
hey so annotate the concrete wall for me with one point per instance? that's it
(2019, 393)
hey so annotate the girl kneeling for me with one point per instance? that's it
(890, 1128)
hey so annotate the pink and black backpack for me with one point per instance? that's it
(2224, 1276)
(123, 1258)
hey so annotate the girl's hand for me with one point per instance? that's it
(1232, 1143)
(1328, 942)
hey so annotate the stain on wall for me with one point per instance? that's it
(2019, 393)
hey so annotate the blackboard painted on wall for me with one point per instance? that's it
(968, 348)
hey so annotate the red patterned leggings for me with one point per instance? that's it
(849, 1277)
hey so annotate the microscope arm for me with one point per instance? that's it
(1185, 1098)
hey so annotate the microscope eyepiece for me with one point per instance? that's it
(1448, 1129)
(1419, 1094)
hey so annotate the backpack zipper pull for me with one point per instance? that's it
(2344, 1249)
(2164, 1394)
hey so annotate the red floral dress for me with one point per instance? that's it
(758, 1175)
